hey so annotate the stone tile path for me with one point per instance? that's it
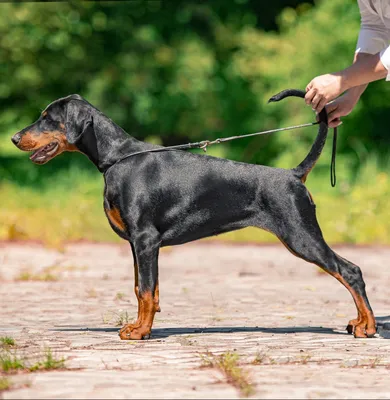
(283, 318)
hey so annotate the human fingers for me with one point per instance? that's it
(335, 123)
(330, 107)
(321, 104)
(309, 86)
(335, 113)
(309, 96)
(315, 101)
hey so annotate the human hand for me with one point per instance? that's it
(322, 89)
(341, 107)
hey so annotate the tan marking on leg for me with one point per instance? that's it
(143, 326)
(136, 289)
(365, 323)
(136, 280)
(157, 298)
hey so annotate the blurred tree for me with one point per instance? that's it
(186, 70)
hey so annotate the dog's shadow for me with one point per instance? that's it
(162, 333)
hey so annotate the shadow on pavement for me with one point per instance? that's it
(166, 332)
(160, 333)
(383, 320)
(383, 324)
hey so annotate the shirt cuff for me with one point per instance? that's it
(385, 59)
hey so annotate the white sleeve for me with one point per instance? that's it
(373, 36)
(385, 59)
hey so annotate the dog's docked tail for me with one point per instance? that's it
(303, 169)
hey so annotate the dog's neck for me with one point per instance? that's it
(105, 143)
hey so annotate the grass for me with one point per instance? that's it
(120, 296)
(123, 317)
(49, 362)
(12, 362)
(5, 384)
(44, 276)
(228, 364)
(67, 206)
(7, 341)
(107, 317)
(48, 274)
(54, 214)
(259, 359)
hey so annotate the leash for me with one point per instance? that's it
(333, 160)
(206, 143)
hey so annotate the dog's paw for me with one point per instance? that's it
(361, 329)
(134, 332)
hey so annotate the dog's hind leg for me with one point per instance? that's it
(301, 234)
(145, 251)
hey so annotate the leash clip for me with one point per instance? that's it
(204, 144)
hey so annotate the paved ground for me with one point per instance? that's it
(259, 302)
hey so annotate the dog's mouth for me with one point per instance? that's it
(45, 153)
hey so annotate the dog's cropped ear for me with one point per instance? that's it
(77, 121)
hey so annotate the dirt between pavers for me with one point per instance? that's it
(283, 318)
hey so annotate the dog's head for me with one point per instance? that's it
(60, 128)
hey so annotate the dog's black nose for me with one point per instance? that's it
(16, 138)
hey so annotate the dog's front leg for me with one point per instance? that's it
(145, 252)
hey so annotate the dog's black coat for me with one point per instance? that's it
(174, 197)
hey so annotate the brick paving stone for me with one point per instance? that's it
(258, 301)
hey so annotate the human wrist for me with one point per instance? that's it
(353, 94)
(344, 80)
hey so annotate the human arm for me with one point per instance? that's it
(371, 62)
(325, 88)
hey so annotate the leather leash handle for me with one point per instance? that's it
(333, 160)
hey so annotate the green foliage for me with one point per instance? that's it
(69, 207)
(13, 362)
(49, 362)
(173, 72)
(10, 362)
(187, 70)
(7, 341)
(228, 364)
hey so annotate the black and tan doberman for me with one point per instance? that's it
(173, 197)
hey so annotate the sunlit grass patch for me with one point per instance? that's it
(70, 209)
(12, 361)
(44, 276)
(7, 341)
(120, 296)
(228, 364)
(5, 384)
(48, 362)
